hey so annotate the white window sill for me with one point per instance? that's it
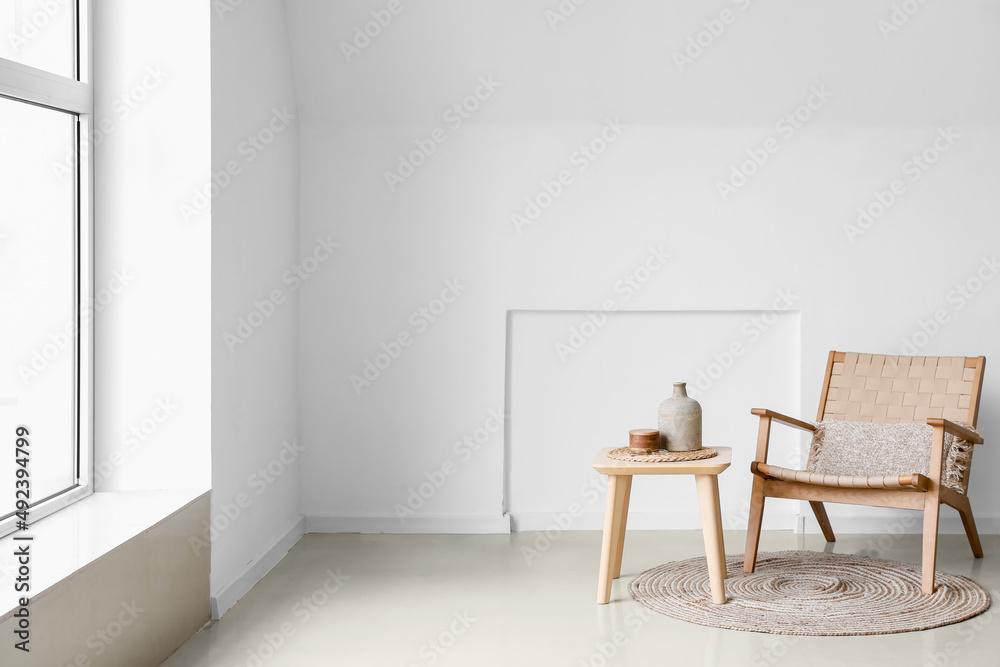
(81, 534)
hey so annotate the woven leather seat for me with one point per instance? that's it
(915, 481)
(882, 389)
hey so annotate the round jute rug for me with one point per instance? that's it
(811, 593)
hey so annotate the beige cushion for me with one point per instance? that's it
(848, 448)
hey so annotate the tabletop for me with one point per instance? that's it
(712, 466)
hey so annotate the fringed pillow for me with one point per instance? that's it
(862, 448)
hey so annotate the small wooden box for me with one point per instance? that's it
(643, 439)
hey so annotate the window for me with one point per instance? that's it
(46, 250)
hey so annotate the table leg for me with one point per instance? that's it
(612, 535)
(626, 491)
(711, 528)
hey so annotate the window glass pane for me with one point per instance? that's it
(40, 33)
(38, 295)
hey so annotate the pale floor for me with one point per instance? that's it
(514, 600)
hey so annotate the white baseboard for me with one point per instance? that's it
(418, 524)
(524, 521)
(905, 523)
(224, 600)
(688, 520)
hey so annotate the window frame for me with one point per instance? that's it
(75, 96)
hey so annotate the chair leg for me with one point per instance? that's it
(932, 512)
(824, 521)
(970, 526)
(753, 525)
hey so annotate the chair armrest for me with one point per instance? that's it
(764, 430)
(956, 430)
(791, 421)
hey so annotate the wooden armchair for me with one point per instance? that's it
(938, 391)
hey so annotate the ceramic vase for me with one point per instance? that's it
(680, 421)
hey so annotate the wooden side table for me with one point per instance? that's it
(706, 476)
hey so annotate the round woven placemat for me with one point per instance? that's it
(661, 455)
(810, 593)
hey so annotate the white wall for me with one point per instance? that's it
(254, 217)
(152, 358)
(679, 134)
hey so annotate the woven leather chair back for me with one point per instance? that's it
(892, 389)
